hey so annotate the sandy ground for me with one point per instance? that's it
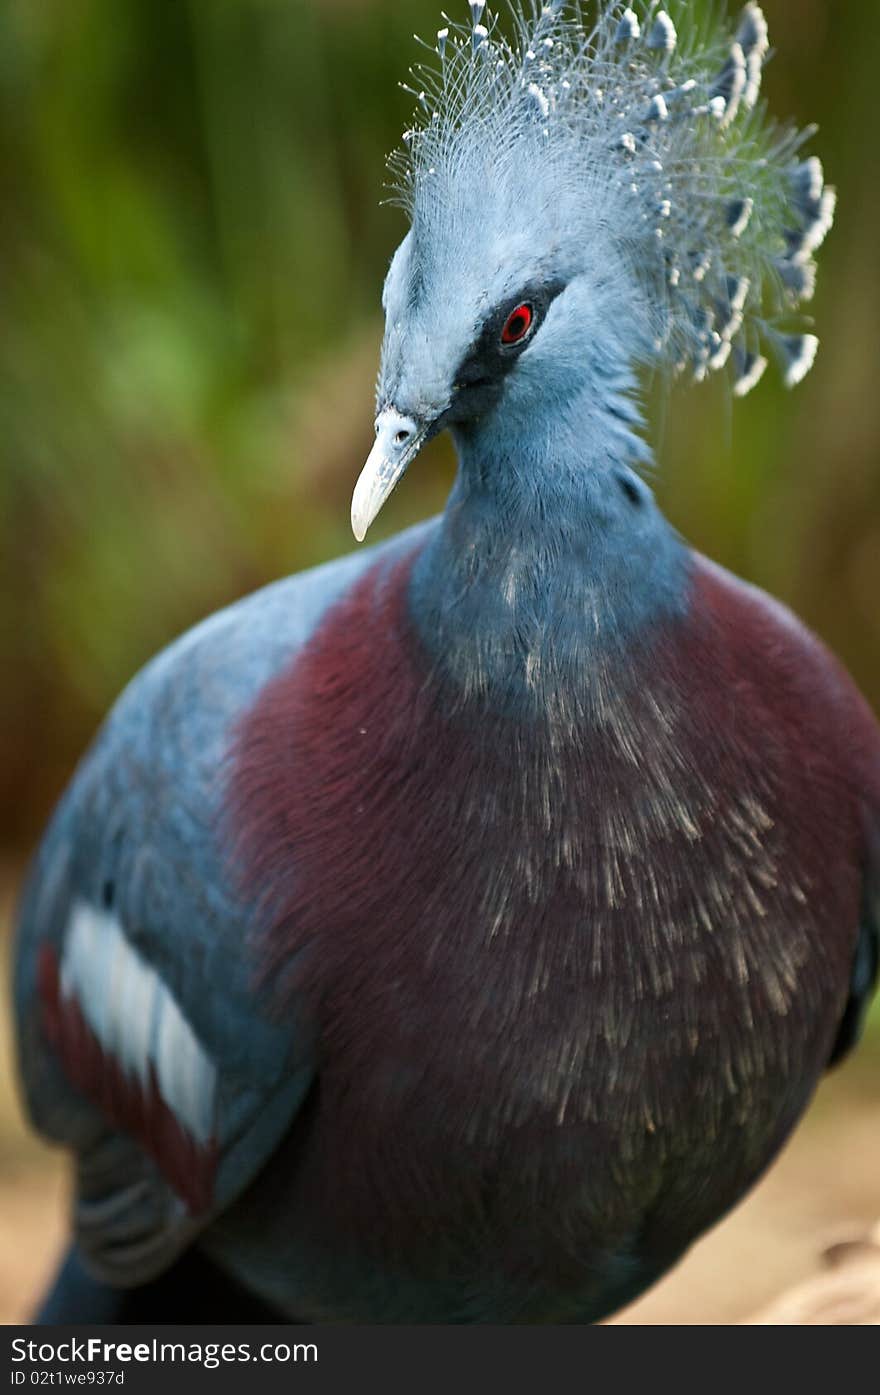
(825, 1187)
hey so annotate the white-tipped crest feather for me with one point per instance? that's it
(651, 119)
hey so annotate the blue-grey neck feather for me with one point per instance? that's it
(551, 558)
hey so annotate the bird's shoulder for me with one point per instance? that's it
(775, 659)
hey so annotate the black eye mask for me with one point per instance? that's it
(481, 374)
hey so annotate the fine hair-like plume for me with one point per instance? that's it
(653, 118)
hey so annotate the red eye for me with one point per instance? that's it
(519, 322)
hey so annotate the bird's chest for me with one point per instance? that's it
(601, 953)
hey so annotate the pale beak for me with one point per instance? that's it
(398, 441)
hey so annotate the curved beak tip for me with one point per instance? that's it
(358, 527)
(370, 493)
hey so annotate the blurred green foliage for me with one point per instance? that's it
(191, 252)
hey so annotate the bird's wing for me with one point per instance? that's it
(866, 964)
(855, 722)
(147, 1043)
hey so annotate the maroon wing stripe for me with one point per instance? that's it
(128, 1104)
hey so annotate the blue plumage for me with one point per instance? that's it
(454, 932)
(139, 835)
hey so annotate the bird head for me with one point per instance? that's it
(583, 202)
